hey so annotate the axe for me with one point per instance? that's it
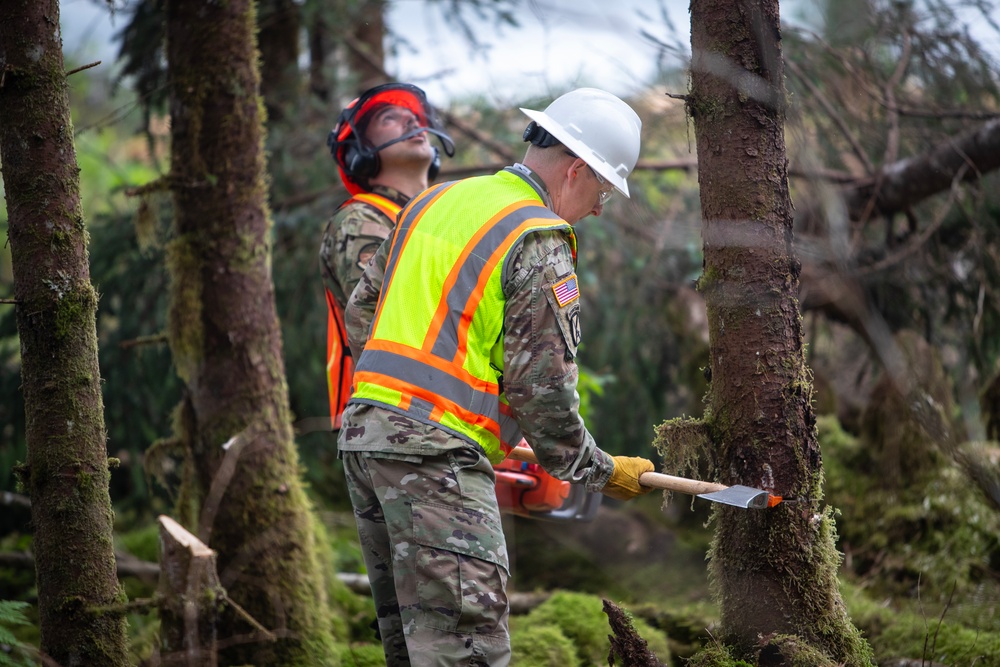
(737, 495)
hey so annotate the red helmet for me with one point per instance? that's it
(356, 158)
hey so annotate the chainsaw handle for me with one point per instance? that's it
(653, 479)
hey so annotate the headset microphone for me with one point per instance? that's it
(446, 142)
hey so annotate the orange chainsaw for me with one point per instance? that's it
(525, 489)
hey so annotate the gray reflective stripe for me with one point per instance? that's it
(432, 380)
(510, 432)
(420, 408)
(446, 344)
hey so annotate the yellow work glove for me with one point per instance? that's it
(624, 483)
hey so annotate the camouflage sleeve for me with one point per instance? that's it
(542, 333)
(361, 304)
(351, 238)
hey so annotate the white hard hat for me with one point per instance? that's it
(598, 127)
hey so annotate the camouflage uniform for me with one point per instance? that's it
(377, 445)
(350, 239)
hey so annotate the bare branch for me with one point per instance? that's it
(154, 339)
(903, 184)
(80, 69)
(10, 498)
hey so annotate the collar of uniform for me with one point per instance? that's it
(392, 194)
(533, 179)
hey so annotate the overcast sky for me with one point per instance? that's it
(559, 43)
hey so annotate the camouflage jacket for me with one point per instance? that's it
(350, 239)
(541, 338)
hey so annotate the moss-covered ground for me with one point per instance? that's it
(920, 576)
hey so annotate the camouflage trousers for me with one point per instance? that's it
(436, 557)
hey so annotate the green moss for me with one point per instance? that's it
(795, 652)
(716, 655)
(685, 446)
(144, 637)
(186, 334)
(74, 309)
(542, 646)
(936, 539)
(359, 655)
(581, 619)
(143, 542)
(706, 108)
(685, 624)
(916, 632)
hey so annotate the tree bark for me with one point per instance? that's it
(244, 496)
(775, 570)
(67, 472)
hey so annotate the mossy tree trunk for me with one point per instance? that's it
(244, 495)
(775, 570)
(280, 23)
(67, 463)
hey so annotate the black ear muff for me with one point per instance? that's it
(332, 144)
(360, 164)
(539, 136)
(435, 168)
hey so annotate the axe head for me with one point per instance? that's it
(746, 497)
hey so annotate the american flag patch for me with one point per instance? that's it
(566, 291)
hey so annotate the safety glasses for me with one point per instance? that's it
(606, 188)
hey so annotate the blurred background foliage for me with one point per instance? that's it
(870, 83)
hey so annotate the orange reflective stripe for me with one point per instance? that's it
(440, 403)
(339, 364)
(388, 207)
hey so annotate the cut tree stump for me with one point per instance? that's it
(190, 598)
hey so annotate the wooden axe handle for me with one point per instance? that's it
(653, 479)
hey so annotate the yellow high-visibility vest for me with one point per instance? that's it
(435, 349)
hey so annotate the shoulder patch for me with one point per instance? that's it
(566, 290)
(375, 229)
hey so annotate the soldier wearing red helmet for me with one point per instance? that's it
(384, 157)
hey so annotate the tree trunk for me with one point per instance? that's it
(280, 23)
(775, 570)
(67, 463)
(245, 497)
